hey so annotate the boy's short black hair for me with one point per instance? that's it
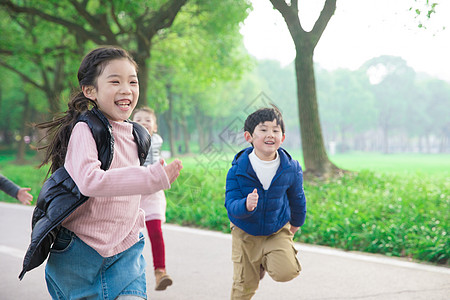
(262, 115)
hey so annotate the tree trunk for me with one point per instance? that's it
(208, 122)
(443, 143)
(186, 137)
(142, 59)
(53, 85)
(420, 144)
(53, 101)
(427, 142)
(201, 132)
(146, 29)
(21, 150)
(168, 116)
(385, 140)
(314, 154)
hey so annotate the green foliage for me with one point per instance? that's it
(381, 213)
(45, 41)
(10, 100)
(280, 85)
(40, 52)
(201, 52)
(211, 78)
(423, 11)
(431, 108)
(346, 104)
(391, 80)
(196, 199)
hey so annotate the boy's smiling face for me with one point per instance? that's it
(147, 120)
(266, 139)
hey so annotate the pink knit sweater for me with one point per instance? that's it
(110, 220)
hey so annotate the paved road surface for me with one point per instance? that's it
(199, 262)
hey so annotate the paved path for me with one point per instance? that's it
(199, 262)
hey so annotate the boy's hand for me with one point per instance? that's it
(252, 200)
(294, 229)
(24, 197)
(173, 169)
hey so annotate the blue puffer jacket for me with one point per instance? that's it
(283, 202)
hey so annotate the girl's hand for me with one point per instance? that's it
(24, 197)
(252, 200)
(173, 169)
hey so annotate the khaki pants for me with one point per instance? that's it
(276, 253)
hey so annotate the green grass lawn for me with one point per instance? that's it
(27, 175)
(394, 163)
(395, 204)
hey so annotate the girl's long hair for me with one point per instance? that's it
(60, 128)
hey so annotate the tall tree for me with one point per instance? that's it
(203, 49)
(316, 159)
(392, 80)
(40, 53)
(108, 22)
(430, 112)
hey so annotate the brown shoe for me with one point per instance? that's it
(162, 280)
(262, 272)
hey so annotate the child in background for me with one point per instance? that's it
(154, 205)
(97, 253)
(15, 191)
(266, 205)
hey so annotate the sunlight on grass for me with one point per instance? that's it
(397, 163)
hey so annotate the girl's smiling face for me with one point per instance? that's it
(116, 91)
(266, 139)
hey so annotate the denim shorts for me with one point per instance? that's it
(74, 270)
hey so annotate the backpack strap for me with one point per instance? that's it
(99, 126)
(143, 141)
